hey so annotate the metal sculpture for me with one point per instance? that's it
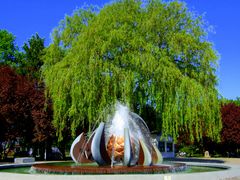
(124, 139)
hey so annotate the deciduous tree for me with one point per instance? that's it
(33, 51)
(154, 54)
(24, 112)
(231, 124)
(9, 54)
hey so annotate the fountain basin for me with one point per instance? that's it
(155, 169)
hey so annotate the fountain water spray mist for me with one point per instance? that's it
(122, 119)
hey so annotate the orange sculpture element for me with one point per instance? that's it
(116, 146)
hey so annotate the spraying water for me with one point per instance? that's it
(122, 119)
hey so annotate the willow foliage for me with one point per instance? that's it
(154, 53)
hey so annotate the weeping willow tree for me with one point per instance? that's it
(153, 53)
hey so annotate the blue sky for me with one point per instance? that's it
(24, 18)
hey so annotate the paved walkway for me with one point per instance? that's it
(233, 173)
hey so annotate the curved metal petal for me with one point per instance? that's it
(76, 147)
(156, 155)
(98, 148)
(127, 148)
(145, 157)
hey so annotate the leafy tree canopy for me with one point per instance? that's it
(154, 53)
(23, 109)
(33, 51)
(225, 101)
(9, 53)
(231, 124)
(26, 62)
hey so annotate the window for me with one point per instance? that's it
(169, 147)
(161, 146)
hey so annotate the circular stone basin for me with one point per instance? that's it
(48, 168)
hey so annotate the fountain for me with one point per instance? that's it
(120, 145)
